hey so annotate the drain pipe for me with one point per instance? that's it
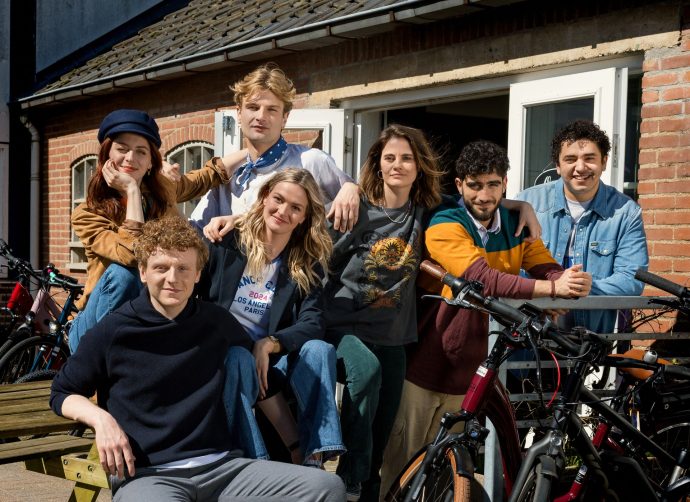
(35, 190)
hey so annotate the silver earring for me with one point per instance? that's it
(379, 174)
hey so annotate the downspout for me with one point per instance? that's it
(35, 190)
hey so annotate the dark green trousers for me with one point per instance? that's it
(373, 376)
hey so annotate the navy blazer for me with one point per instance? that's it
(294, 318)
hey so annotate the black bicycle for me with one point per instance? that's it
(619, 461)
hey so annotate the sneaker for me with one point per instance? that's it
(353, 492)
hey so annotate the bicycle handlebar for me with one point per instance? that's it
(496, 307)
(663, 284)
(66, 282)
(22, 267)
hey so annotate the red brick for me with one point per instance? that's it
(671, 249)
(649, 126)
(661, 264)
(681, 233)
(648, 157)
(682, 124)
(658, 202)
(656, 173)
(658, 80)
(675, 93)
(650, 96)
(680, 61)
(671, 218)
(674, 155)
(661, 110)
(659, 141)
(680, 265)
(673, 187)
(659, 233)
(648, 187)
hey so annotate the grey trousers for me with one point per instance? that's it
(231, 479)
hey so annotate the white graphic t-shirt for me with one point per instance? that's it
(253, 300)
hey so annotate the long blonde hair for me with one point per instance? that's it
(309, 243)
(426, 190)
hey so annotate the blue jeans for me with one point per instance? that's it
(311, 376)
(117, 285)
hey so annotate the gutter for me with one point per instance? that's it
(35, 190)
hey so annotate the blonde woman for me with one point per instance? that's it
(268, 273)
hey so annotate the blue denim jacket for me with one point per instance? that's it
(610, 243)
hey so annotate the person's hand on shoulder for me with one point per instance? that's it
(345, 208)
(528, 218)
(219, 227)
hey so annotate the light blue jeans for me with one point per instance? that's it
(311, 375)
(117, 285)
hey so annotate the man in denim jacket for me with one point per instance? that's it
(585, 221)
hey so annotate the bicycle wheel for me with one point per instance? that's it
(32, 354)
(37, 376)
(442, 483)
(670, 435)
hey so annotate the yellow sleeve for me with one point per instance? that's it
(452, 247)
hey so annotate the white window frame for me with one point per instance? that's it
(608, 87)
(184, 147)
(75, 242)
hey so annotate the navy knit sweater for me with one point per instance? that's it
(161, 379)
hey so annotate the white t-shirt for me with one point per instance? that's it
(577, 209)
(253, 299)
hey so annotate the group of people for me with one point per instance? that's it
(304, 279)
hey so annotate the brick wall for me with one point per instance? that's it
(664, 181)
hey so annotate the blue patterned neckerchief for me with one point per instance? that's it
(245, 172)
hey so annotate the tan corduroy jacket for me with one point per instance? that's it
(106, 242)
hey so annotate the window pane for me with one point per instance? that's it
(543, 121)
(78, 181)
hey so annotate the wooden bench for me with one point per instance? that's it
(38, 437)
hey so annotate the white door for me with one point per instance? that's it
(540, 107)
(327, 125)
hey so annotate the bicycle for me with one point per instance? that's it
(444, 469)
(20, 300)
(42, 354)
(619, 462)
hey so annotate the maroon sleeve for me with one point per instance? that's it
(499, 284)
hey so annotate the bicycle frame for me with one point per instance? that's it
(485, 397)
(566, 423)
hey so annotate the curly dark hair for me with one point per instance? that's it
(482, 157)
(575, 131)
(169, 233)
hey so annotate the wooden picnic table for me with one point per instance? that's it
(32, 433)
